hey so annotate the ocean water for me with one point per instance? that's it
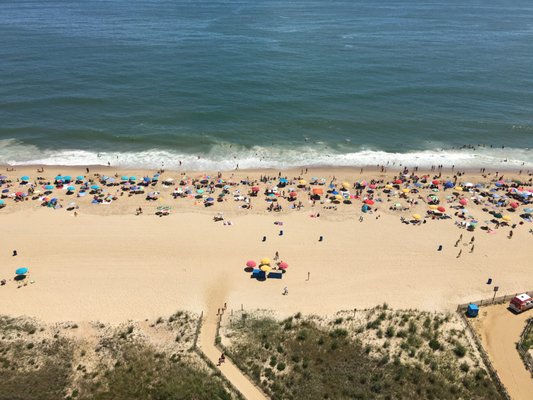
(265, 83)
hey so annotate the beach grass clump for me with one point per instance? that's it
(134, 360)
(380, 353)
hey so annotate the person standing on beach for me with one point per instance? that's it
(460, 252)
(308, 275)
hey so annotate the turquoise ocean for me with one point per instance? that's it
(266, 83)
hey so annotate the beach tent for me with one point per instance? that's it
(472, 310)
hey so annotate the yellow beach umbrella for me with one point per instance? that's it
(459, 188)
(417, 216)
(338, 197)
(506, 218)
(433, 206)
(388, 186)
(265, 261)
(405, 190)
(266, 268)
(345, 185)
(303, 182)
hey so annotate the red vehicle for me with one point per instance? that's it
(521, 302)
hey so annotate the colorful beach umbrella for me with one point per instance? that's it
(251, 264)
(283, 265)
(417, 217)
(22, 271)
(266, 268)
(265, 261)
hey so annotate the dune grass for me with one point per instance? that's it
(304, 358)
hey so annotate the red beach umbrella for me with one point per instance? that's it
(369, 202)
(293, 194)
(283, 265)
(441, 209)
(464, 202)
(255, 189)
(398, 181)
(435, 182)
(251, 264)
(514, 204)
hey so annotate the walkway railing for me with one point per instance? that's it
(524, 353)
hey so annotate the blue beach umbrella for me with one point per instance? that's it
(448, 184)
(334, 192)
(71, 188)
(2, 202)
(67, 178)
(95, 187)
(124, 178)
(25, 178)
(133, 178)
(5, 191)
(22, 271)
(146, 179)
(58, 178)
(49, 187)
(80, 177)
(283, 180)
(210, 199)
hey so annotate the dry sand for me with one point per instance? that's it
(108, 264)
(500, 330)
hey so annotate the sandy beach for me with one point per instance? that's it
(109, 264)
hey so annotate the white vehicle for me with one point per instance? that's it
(521, 302)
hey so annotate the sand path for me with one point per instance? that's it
(500, 330)
(228, 369)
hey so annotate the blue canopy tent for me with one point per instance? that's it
(472, 310)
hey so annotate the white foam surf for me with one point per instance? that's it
(226, 157)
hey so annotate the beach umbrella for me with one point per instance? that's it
(251, 264)
(283, 180)
(255, 189)
(398, 181)
(133, 178)
(19, 194)
(497, 215)
(435, 182)
(506, 218)
(417, 217)
(318, 191)
(146, 179)
(71, 188)
(22, 271)
(95, 187)
(514, 204)
(3, 177)
(405, 190)
(338, 197)
(334, 192)
(124, 178)
(283, 265)
(210, 200)
(372, 186)
(448, 185)
(346, 185)
(388, 186)
(293, 194)
(58, 178)
(433, 207)
(266, 268)
(463, 201)
(441, 209)
(2, 203)
(369, 202)
(80, 177)
(528, 210)
(49, 187)
(265, 261)
(302, 182)
(200, 191)
(67, 178)
(25, 178)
